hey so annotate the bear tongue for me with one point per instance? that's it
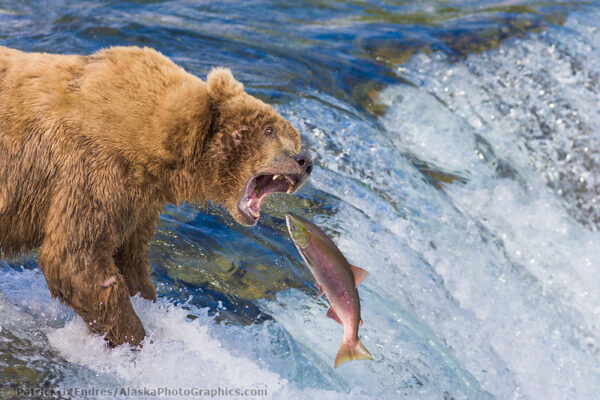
(268, 184)
(264, 185)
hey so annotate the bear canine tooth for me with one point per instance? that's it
(276, 176)
(249, 203)
(290, 188)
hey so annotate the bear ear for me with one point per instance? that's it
(222, 85)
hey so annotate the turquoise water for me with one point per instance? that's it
(456, 152)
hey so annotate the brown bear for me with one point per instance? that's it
(92, 148)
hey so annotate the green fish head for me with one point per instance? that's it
(299, 231)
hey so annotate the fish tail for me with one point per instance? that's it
(352, 351)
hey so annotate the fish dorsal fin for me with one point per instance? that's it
(359, 274)
(333, 315)
(320, 292)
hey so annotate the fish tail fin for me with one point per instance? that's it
(352, 351)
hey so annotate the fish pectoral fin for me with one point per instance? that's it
(320, 292)
(359, 274)
(333, 315)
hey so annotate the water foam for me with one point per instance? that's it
(536, 100)
(502, 120)
(179, 352)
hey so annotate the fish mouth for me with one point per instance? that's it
(260, 186)
(288, 222)
(298, 232)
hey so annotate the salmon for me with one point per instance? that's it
(337, 279)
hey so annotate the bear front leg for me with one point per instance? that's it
(96, 291)
(117, 317)
(80, 271)
(136, 270)
(132, 260)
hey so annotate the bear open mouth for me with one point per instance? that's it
(260, 186)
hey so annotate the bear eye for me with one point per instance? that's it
(269, 130)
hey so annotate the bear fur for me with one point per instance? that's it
(93, 147)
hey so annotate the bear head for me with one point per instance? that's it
(252, 152)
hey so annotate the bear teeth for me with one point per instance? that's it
(276, 176)
(249, 203)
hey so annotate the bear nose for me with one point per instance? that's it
(304, 162)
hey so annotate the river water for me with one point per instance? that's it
(456, 149)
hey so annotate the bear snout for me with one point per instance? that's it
(304, 162)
